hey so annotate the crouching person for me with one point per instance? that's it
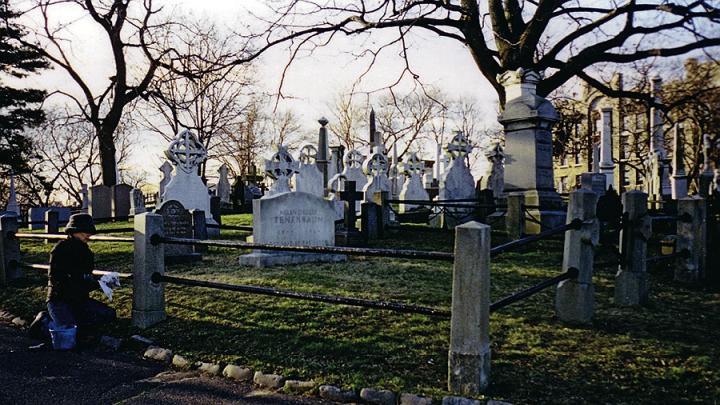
(74, 316)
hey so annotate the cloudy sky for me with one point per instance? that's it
(311, 83)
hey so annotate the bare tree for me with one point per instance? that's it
(131, 29)
(209, 105)
(240, 146)
(348, 119)
(564, 39)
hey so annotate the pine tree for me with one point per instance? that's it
(19, 108)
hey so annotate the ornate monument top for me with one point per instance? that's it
(414, 165)
(459, 146)
(308, 154)
(281, 164)
(186, 151)
(375, 165)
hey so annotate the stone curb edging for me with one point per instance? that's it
(277, 382)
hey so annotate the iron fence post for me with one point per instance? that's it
(469, 353)
(148, 297)
(574, 298)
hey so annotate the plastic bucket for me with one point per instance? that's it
(63, 338)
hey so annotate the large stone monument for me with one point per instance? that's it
(658, 180)
(413, 188)
(528, 120)
(309, 178)
(186, 186)
(607, 167)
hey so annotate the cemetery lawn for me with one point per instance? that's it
(666, 352)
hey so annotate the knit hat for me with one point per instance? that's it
(80, 223)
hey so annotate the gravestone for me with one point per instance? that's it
(679, 179)
(413, 188)
(186, 186)
(223, 185)
(166, 169)
(100, 202)
(376, 167)
(120, 200)
(84, 193)
(309, 178)
(496, 175)
(706, 175)
(349, 235)
(607, 166)
(292, 219)
(137, 202)
(396, 176)
(177, 223)
(594, 182)
(12, 205)
(37, 214)
(352, 171)
(280, 167)
(457, 183)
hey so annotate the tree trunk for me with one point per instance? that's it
(108, 165)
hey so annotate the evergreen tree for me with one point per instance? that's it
(19, 108)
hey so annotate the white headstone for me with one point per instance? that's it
(413, 188)
(309, 178)
(436, 167)
(397, 179)
(352, 171)
(376, 168)
(457, 182)
(280, 167)
(292, 219)
(166, 169)
(223, 189)
(186, 186)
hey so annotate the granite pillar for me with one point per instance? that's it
(148, 307)
(631, 280)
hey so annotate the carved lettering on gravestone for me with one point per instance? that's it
(177, 222)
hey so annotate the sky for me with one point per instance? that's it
(311, 83)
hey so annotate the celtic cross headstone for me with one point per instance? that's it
(413, 188)
(309, 178)
(456, 183)
(280, 167)
(376, 167)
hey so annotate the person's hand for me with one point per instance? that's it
(109, 281)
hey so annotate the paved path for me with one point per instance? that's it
(96, 377)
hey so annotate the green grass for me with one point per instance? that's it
(666, 352)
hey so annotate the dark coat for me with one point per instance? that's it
(70, 276)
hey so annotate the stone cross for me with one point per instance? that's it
(413, 188)
(280, 167)
(376, 167)
(186, 151)
(166, 169)
(351, 196)
(223, 185)
(459, 146)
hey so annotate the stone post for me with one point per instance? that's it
(607, 167)
(385, 215)
(469, 354)
(691, 235)
(631, 283)
(200, 230)
(515, 216)
(9, 249)
(574, 298)
(51, 224)
(679, 181)
(527, 121)
(148, 298)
